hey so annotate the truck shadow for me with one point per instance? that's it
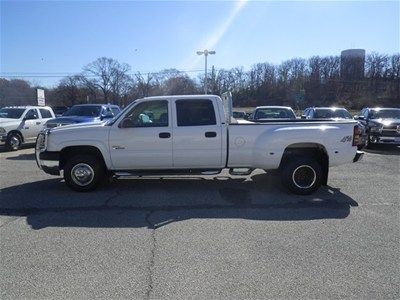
(155, 202)
(384, 150)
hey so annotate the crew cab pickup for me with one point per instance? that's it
(21, 124)
(196, 134)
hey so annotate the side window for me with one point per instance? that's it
(45, 113)
(115, 110)
(31, 114)
(195, 112)
(148, 114)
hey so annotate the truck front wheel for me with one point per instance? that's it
(83, 173)
(302, 175)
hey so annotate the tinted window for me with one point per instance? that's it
(45, 113)
(148, 114)
(332, 113)
(195, 112)
(84, 111)
(385, 114)
(32, 114)
(115, 110)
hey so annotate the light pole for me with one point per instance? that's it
(205, 53)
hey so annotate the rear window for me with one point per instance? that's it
(274, 113)
(84, 111)
(332, 113)
(195, 112)
(46, 114)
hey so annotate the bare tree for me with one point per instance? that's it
(107, 74)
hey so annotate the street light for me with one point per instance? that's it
(205, 53)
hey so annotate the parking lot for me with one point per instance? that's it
(204, 237)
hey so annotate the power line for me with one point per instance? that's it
(63, 74)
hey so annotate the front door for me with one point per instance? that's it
(31, 125)
(143, 139)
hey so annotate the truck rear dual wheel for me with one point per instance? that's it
(302, 175)
(83, 173)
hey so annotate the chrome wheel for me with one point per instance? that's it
(82, 174)
(15, 142)
(304, 177)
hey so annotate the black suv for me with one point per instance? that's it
(382, 125)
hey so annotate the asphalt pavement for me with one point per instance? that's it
(201, 237)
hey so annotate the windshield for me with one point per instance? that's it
(112, 121)
(385, 114)
(274, 113)
(332, 114)
(11, 113)
(84, 111)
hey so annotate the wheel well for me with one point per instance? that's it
(17, 132)
(313, 150)
(74, 150)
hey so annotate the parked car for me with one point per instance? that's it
(272, 112)
(196, 135)
(85, 113)
(335, 113)
(239, 114)
(382, 125)
(60, 110)
(22, 124)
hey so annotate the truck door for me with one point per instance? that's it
(31, 125)
(143, 139)
(197, 140)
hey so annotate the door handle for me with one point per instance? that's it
(38, 123)
(210, 134)
(164, 135)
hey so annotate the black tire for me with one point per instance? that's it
(368, 144)
(301, 175)
(84, 172)
(14, 141)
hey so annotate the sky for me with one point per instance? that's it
(42, 41)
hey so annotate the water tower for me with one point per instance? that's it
(352, 63)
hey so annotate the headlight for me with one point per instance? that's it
(376, 129)
(2, 130)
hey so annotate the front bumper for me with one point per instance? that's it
(3, 139)
(359, 156)
(48, 161)
(380, 139)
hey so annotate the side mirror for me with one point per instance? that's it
(126, 123)
(303, 116)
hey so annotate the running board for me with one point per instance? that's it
(141, 173)
(240, 171)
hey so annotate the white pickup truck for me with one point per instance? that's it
(196, 134)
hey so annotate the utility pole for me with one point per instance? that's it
(205, 53)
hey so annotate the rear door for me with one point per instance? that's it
(46, 115)
(197, 134)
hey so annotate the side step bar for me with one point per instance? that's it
(141, 173)
(240, 171)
